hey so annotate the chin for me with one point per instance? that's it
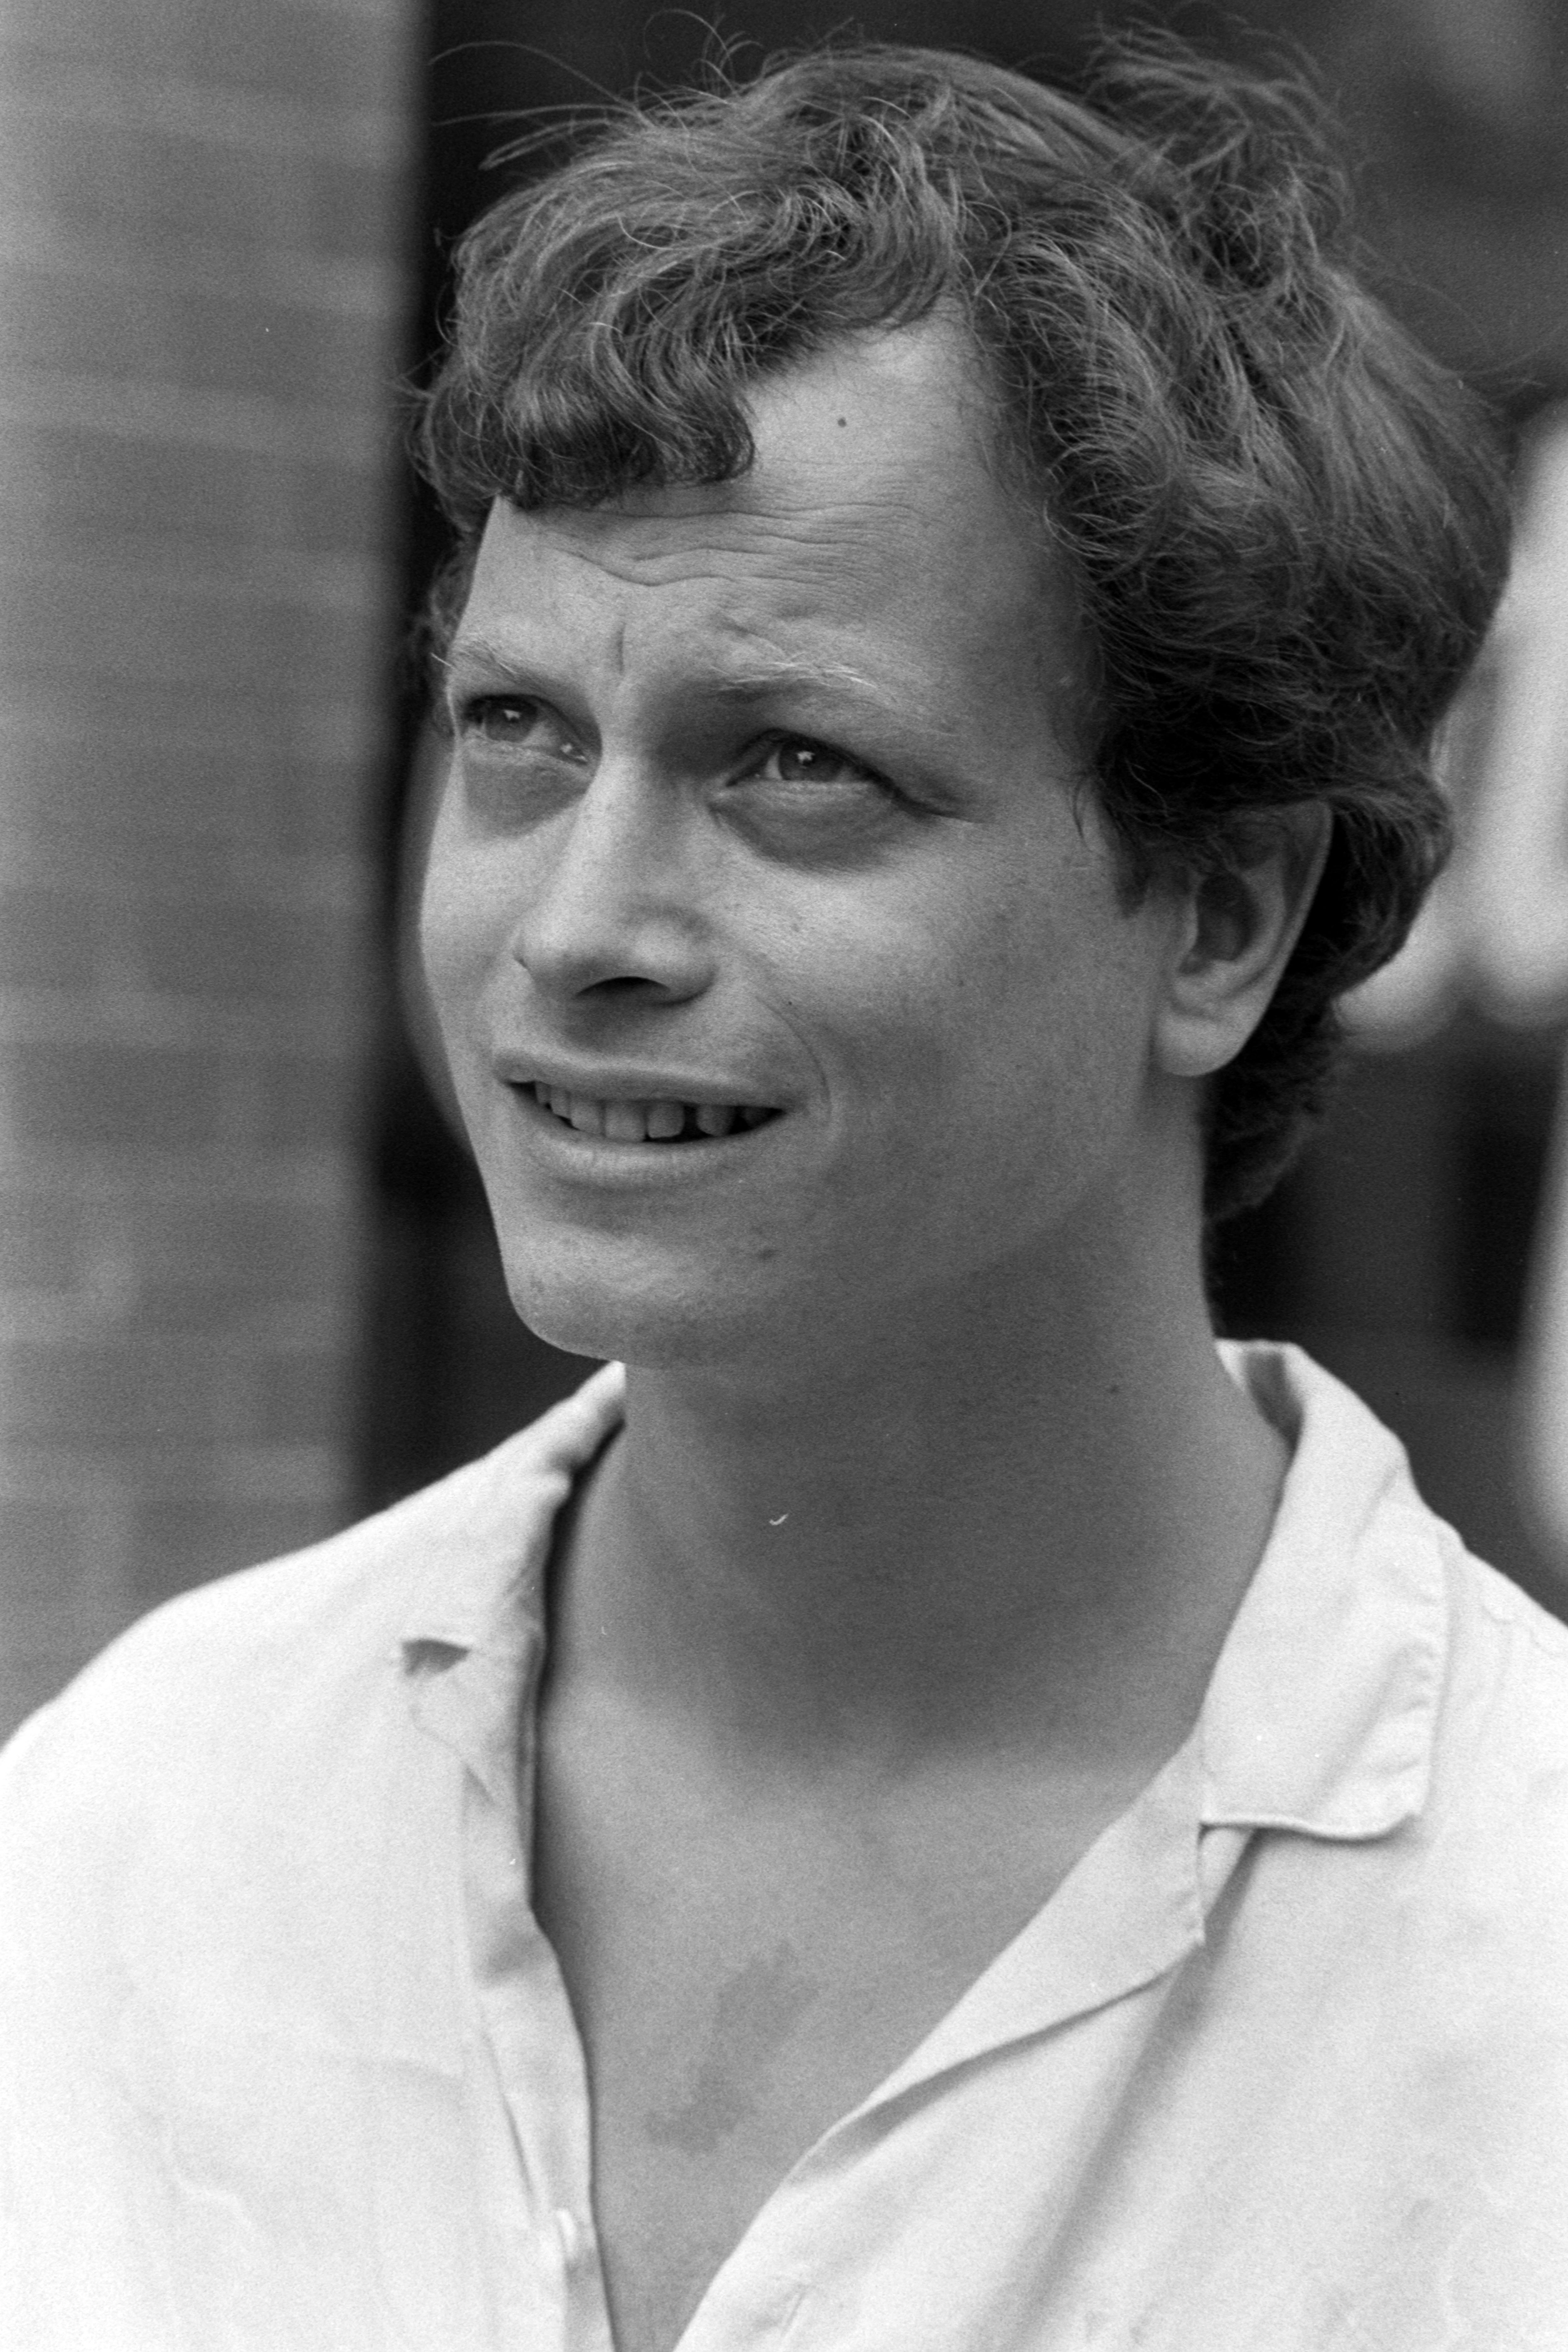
(634, 1314)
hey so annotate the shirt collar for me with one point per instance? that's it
(1320, 1715)
(485, 1551)
(473, 1637)
(1320, 1718)
(1321, 1711)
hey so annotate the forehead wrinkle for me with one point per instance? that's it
(652, 552)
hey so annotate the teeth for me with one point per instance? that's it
(625, 1122)
(586, 1114)
(661, 1120)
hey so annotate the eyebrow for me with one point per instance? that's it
(757, 674)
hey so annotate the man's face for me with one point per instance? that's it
(759, 802)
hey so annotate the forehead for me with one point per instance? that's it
(870, 528)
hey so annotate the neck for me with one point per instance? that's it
(1018, 1518)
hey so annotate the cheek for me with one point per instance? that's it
(458, 938)
(1014, 1039)
(978, 985)
(441, 961)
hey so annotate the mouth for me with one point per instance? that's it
(655, 1121)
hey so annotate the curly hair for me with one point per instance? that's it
(1284, 523)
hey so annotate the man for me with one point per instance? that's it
(930, 1809)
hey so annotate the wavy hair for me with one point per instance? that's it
(1285, 524)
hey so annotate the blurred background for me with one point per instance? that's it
(247, 1284)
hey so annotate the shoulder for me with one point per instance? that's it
(1425, 1655)
(1484, 1917)
(1504, 1721)
(289, 1631)
(274, 1659)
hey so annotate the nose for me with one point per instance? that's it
(613, 898)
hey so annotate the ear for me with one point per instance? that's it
(1234, 939)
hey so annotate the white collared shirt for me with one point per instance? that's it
(286, 2064)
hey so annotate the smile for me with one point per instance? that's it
(657, 1121)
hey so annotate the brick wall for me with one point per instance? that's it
(203, 212)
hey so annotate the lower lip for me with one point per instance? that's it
(596, 1159)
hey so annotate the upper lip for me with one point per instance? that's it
(622, 1082)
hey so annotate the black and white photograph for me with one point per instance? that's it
(784, 1176)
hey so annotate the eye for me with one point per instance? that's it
(799, 759)
(498, 718)
(516, 722)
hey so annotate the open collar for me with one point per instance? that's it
(1320, 1715)
(473, 1640)
(1320, 1718)
(1321, 1711)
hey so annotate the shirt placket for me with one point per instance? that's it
(550, 2294)
(541, 2072)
